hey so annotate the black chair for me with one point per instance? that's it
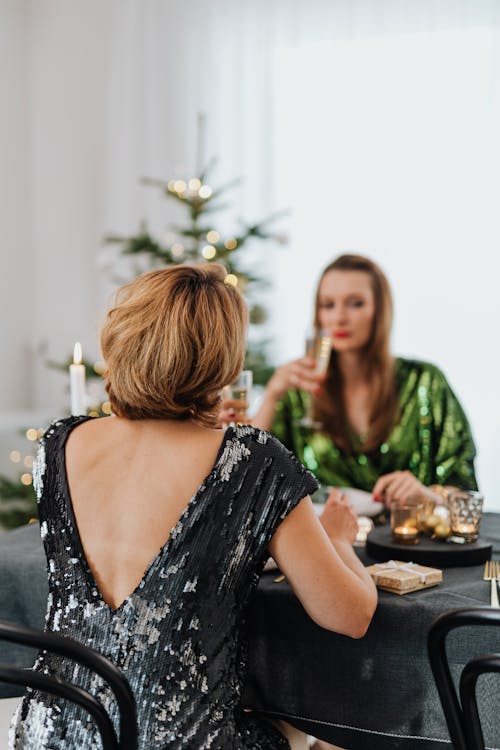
(462, 716)
(71, 649)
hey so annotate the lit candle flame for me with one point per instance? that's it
(77, 354)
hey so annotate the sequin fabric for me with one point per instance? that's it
(178, 636)
(432, 437)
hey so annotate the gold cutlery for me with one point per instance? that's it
(492, 573)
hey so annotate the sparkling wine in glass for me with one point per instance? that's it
(319, 348)
(240, 389)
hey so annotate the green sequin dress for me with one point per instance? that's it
(432, 438)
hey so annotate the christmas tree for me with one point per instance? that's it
(198, 241)
(195, 241)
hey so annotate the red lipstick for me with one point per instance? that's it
(341, 334)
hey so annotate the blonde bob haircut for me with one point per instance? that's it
(173, 340)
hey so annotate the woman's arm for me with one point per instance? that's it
(322, 568)
(454, 446)
(445, 446)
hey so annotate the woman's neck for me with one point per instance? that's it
(352, 365)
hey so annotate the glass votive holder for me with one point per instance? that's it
(426, 513)
(466, 510)
(405, 522)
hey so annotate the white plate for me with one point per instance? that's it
(362, 502)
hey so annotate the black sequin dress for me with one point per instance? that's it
(177, 637)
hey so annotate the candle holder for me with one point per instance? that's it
(405, 522)
(466, 510)
(427, 516)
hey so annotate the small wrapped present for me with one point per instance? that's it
(404, 577)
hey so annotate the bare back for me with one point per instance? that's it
(130, 481)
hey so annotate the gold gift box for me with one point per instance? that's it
(404, 577)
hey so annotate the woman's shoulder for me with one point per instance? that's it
(62, 426)
(270, 458)
(408, 367)
(257, 440)
(261, 444)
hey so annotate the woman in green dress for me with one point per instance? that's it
(387, 425)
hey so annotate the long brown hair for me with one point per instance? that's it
(329, 407)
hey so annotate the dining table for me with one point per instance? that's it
(372, 693)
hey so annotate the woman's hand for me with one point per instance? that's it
(300, 374)
(232, 410)
(398, 485)
(339, 519)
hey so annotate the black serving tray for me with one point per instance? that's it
(441, 554)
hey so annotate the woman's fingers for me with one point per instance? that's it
(381, 485)
(299, 374)
(234, 405)
(398, 485)
(233, 410)
(303, 375)
(335, 496)
(393, 490)
(409, 489)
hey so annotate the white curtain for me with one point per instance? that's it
(374, 123)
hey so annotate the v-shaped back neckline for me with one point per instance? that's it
(77, 539)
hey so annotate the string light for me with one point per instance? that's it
(93, 413)
(179, 186)
(15, 457)
(177, 250)
(213, 236)
(205, 191)
(28, 462)
(209, 252)
(106, 407)
(231, 280)
(99, 367)
(231, 244)
(32, 434)
(26, 479)
(194, 184)
(171, 186)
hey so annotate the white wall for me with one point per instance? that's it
(17, 305)
(68, 101)
(396, 157)
(407, 173)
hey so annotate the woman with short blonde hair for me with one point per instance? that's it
(157, 525)
(173, 340)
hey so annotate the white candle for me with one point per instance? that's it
(77, 382)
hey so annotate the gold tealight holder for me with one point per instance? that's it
(426, 514)
(405, 522)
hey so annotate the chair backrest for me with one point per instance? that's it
(462, 716)
(78, 652)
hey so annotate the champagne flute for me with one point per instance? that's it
(240, 389)
(318, 347)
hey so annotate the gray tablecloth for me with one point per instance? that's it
(375, 693)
